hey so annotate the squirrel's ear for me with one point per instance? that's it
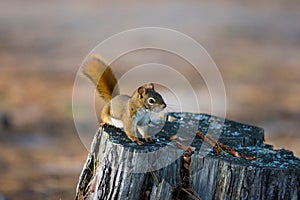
(149, 86)
(141, 90)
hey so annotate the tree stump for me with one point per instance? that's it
(117, 168)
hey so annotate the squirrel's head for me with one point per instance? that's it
(151, 100)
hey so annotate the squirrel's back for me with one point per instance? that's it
(98, 71)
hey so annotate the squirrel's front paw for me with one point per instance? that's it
(150, 140)
(135, 139)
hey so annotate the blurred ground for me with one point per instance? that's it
(256, 46)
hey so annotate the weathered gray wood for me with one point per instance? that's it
(161, 191)
(118, 171)
(217, 178)
(116, 168)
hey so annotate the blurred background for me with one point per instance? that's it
(255, 44)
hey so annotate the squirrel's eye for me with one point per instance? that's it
(151, 101)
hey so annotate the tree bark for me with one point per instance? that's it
(116, 168)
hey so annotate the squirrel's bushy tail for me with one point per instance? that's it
(98, 71)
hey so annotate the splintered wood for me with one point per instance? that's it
(186, 189)
(220, 147)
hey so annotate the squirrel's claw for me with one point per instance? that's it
(139, 142)
(150, 140)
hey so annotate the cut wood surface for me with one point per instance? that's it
(116, 168)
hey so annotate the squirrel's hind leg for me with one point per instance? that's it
(105, 115)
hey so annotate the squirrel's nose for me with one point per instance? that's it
(164, 105)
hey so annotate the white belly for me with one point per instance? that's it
(117, 123)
